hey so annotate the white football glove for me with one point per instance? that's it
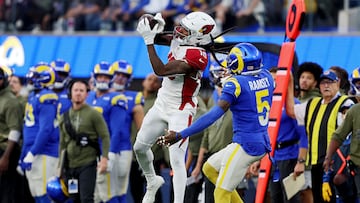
(161, 22)
(145, 30)
(27, 161)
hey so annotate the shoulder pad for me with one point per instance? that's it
(139, 98)
(197, 58)
(119, 100)
(48, 98)
(231, 81)
(232, 86)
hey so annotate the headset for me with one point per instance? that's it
(73, 81)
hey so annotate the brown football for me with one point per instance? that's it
(151, 19)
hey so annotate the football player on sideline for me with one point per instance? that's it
(62, 69)
(248, 94)
(176, 103)
(113, 107)
(135, 112)
(39, 155)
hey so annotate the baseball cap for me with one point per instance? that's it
(329, 75)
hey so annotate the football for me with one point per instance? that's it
(151, 19)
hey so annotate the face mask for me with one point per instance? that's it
(118, 87)
(30, 87)
(102, 86)
(58, 85)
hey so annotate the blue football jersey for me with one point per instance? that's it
(64, 101)
(250, 97)
(133, 98)
(113, 107)
(290, 130)
(41, 133)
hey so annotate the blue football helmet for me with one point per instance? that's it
(103, 68)
(244, 58)
(57, 190)
(217, 72)
(354, 78)
(125, 68)
(62, 69)
(41, 76)
(5, 72)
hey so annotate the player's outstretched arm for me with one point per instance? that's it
(200, 124)
(171, 137)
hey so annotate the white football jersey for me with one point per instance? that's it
(179, 90)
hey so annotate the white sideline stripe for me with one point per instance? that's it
(281, 72)
(276, 98)
(272, 123)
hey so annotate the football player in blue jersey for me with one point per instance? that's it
(62, 69)
(248, 94)
(39, 156)
(135, 112)
(355, 84)
(113, 107)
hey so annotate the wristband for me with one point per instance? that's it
(327, 176)
(14, 135)
(178, 136)
(300, 160)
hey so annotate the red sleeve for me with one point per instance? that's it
(196, 58)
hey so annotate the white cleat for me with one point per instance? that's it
(152, 188)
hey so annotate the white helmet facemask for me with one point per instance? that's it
(30, 87)
(118, 87)
(59, 85)
(102, 86)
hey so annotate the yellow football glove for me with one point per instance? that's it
(326, 191)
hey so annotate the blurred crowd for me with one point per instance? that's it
(121, 15)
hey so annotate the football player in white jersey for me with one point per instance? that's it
(176, 102)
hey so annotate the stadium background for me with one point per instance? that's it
(83, 51)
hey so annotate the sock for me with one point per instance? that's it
(221, 195)
(177, 161)
(122, 198)
(113, 200)
(42, 199)
(212, 174)
(235, 197)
